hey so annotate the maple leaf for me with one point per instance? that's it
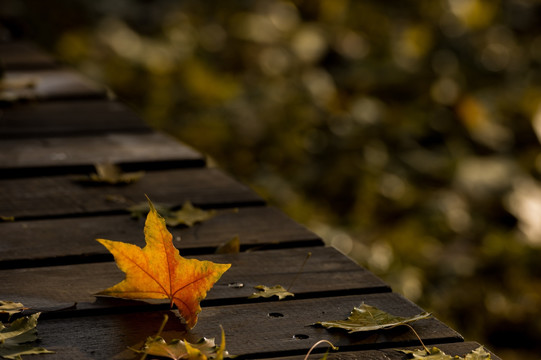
(436, 354)
(266, 292)
(157, 271)
(369, 318)
(16, 338)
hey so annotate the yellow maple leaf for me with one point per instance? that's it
(157, 271)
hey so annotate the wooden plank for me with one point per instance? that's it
(453, 349)
(327, 273)
(57, 196)
(71, 155)
(61, 241)
(276, 328)
(54, 84)
(22, 55)
(75, 117)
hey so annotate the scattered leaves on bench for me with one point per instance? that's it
(369, 318)
(188, 215)
(111, 174)
(266, 292)
(157, 271)
(16, 338)
(10, 307)
(436, 354)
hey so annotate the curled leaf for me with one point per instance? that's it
(10, 307)
(369, 318)
(266, 292)
(436, 354)
(16, 338)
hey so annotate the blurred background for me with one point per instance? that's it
(405, 133)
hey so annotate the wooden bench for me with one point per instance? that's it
(50, 261)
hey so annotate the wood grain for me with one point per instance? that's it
(327, 273)
(53, 84)
(71, 240)
(60, 196)
(453, 349)
(277, 328)
(71, 155)
(68, 118)
(23, 55)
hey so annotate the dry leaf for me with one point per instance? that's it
(266, 292)
(189, 215)
(230, 247)
(436, 354)
(10, 307)
(107, 173)
(369, 318)
(157, 271)
(16, 338)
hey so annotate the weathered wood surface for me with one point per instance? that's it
(261, 329)
(57, 196)
(22, 55)
(453, 349)
(71, 240)
(64, 118)
(327, 273)
(70, 155)
(52, 84)
(49, 259)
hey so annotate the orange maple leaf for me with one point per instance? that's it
(157, 271)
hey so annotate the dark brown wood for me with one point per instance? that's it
(327, 273)
(22, 55)
(53, 84)
(71, 240)
(64, 118)
(57, 196)
(71, 155)
(453, 349)
(276, 328)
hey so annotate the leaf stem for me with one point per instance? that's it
(316, 344)
(418, 337)
(162, 326)
(300, 270)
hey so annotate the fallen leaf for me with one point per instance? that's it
(179, 349)
(7, 218)
(266, 292)
(10, 307)
(16, 338)
(157, 271)
(230, 247)
(189, 215)
(107, 173)
(369, 318)
(436, 354)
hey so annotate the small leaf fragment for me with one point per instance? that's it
(15, 338)
(10, 307)
(369, 318)
(266, 292)
(189, 215)
(436, 354)
(230, 247)
(7, 218)
(107, 173)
